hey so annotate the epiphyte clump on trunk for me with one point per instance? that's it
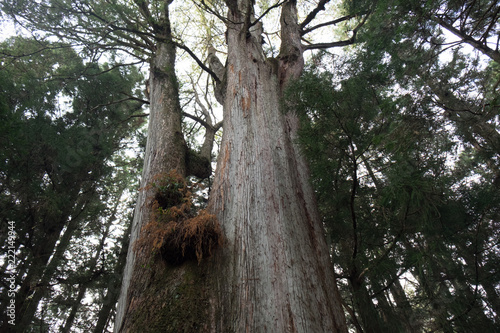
(177, 231)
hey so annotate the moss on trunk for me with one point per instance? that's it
(177, 300)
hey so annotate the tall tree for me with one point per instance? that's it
(275, 249)
(273, 271)
(55, 159)
(273, 238)
(381, 132)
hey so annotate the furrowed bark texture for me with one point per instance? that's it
(144, 283)
(275, 271)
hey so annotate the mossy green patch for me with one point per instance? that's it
(178, 302)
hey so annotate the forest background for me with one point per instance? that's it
(399, 122)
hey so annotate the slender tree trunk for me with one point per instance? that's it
(47, 246)
(82, 288)
(90, 266)
(44, 264)
(114, 285)
(404, 308)
(492, 296)
(370, 318)
(31, 285)
(30, 305)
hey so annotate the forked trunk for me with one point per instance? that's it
(275, 274)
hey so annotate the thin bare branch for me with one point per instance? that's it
(465, 38)
(333, 22)
(341, 43)
(494, 21)
(349, 41)
(313, 13)
(276, 5)
(202, 5)
(197, 60)
(129, 98)
(197, 119)
(204, 109)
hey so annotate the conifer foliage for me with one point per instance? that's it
(63, 122)
(401, 134)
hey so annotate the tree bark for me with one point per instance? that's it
(481, 46)
(47, 256)
(114, 285)
(412, 324)
(366, 309)
(90, 266)
(275, 274)
(148, 283)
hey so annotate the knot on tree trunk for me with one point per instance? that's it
(219, 70)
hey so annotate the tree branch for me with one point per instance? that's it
(197, 119)
(202, 122)
(482, 47)
(218, 125)
(276, 5)
(197, 60)
(333, 22)
(204, 109)
(207, 8)
(312, 15)
(143, 8)
(329, 45)
(349, 41)
(116, 102)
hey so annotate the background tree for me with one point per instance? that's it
(57, 158)
(390, 138)
(150, 41)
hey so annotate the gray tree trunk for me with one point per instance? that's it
(165, 151)
(90, 266)
(114, 286)
(275, 271)
(43, 266)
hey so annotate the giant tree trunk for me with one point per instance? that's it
(275, 274)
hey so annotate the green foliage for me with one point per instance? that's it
(381, 149)
(62, 124)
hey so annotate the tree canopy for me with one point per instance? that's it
(399, 111)
(402, 138)
(65, 125)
